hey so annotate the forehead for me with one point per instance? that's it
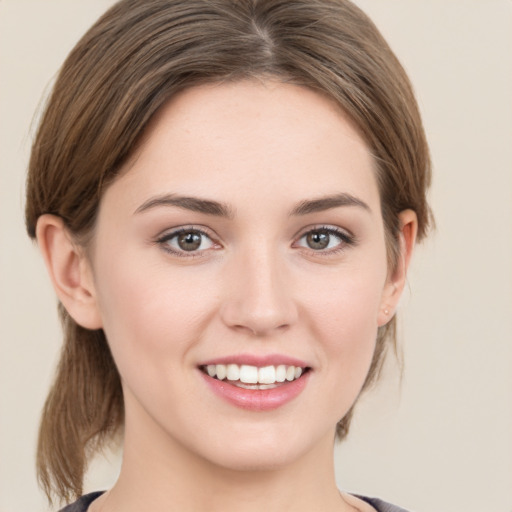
(253, 136)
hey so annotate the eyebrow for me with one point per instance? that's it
(326, 203)
(218, 209)
(194, 204)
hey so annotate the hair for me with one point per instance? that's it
(133, 60)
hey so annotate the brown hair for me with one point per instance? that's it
(135, 57)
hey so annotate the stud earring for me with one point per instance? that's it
(386, 312)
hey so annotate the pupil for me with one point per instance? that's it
(189, 241)
(318, 240)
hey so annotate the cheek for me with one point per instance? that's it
(349, 298)
(344, 317)
(149, 312)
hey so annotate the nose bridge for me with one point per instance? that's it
(259, 299)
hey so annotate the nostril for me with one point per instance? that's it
(259, 303)
(260, 330)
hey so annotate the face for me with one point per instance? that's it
(239, 270)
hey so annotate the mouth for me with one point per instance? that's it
(255, 377)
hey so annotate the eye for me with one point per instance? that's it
(327, 239)
(186, 240)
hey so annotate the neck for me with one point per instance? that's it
(159, 474)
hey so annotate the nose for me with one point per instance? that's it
(259, 295)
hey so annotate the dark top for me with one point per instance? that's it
(83, 504)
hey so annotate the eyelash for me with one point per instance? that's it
(345, 239)
(164, 240)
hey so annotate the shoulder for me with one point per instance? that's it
(82, 504)
(381, 506)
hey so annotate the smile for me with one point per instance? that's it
(254, 377)
(261, 386)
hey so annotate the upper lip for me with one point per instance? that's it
(257, 360)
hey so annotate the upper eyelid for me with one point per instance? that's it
(346, 240)
(337, 243)
(168, 233)
(327, 227)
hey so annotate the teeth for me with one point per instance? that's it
(248, 374)
(233, 372)
(222, 371)
(255, 386)
(253, 377)
(281, 373)
(267, 375)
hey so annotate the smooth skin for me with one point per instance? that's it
(248, 222)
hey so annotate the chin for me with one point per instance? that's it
(254, 460)
(263, 451)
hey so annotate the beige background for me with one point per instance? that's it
(442, 441)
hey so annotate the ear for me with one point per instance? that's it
(396, 280)
(69, 270)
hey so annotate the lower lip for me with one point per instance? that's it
(257, 399)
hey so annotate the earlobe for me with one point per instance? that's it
(69, 271)
(397, 279)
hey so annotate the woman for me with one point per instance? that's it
(227, 196)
